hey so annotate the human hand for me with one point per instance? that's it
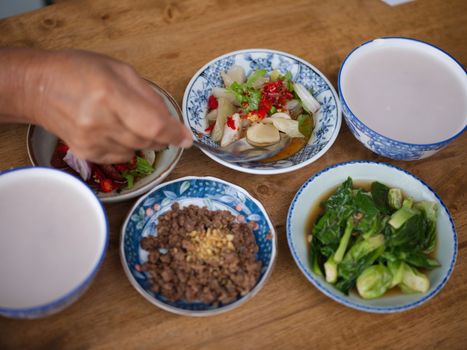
(101, 108)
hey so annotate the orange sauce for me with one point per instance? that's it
(295, 145)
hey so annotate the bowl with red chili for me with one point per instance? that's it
(259, 94)
(111, 182)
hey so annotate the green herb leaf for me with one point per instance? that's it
(305, 125)
(255, 76)
(237, 90)
(143, 167)
(130, 178)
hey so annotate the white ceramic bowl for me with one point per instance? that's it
(313, 190)
(213, 193)
(41, 145)
(327, 119)
(53, 237)
(403, 98)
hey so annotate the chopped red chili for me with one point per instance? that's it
(231, 123)
(107, 185)
(212, 102)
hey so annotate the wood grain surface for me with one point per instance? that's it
(167, 42)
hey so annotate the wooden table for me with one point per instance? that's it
(167, 41)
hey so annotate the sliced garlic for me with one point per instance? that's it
(262, 135)
(288, 126)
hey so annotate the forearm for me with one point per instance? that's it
(21, 72)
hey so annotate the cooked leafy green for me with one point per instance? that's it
(374, 240)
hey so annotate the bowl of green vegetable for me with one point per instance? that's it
(372, 236)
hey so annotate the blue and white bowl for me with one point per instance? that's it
(53, 238)
(327, 120)
(404, 87)
(214, 194)
(311, 193)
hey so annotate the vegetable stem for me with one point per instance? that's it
(344, 242)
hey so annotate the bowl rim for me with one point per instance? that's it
(234, 166)
(344, 300)
(57, 303)
(353, 115)
(118, 197)
(199, 313)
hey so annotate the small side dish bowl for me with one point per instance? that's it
(312, 193)
(403, 98)
(207, 192)
(327, 120)
(53, 238)
(41, 145)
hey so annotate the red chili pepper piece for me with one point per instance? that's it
(121, 167)
(212, 102)
(209, 128)
(62, 148)
(265, 104)
(231, 123)
(107, 185)
(262, 113)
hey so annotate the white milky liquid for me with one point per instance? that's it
(406, 91)
(52, 234)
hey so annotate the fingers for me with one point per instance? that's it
(146, 116)
(128, 139)
(114, 158)
(105, 151)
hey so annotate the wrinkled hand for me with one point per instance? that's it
(101, 108)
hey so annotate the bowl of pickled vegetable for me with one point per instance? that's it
(372, 236)
(258, 96)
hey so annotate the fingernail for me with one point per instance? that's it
(186, 143)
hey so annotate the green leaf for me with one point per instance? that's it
(143, 168)
(379, 193)
(253, 98)
(130, 178)
(237, 90)
(305, 125)
(255, 76)
(410, 235)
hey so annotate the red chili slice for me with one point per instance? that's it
(62, 148)
(209, 128)
(231, 123)
(212, 102)
(121, 167)
(107, 185)
(262, 113)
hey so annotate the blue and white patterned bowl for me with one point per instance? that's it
(214, 194)
(376, 141)
(327, 120)
(53, 238)
(312, 192)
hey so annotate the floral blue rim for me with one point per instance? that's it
(425, 146)
(212, 192)
(338, 298)
(70, 296)
(325, 136)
